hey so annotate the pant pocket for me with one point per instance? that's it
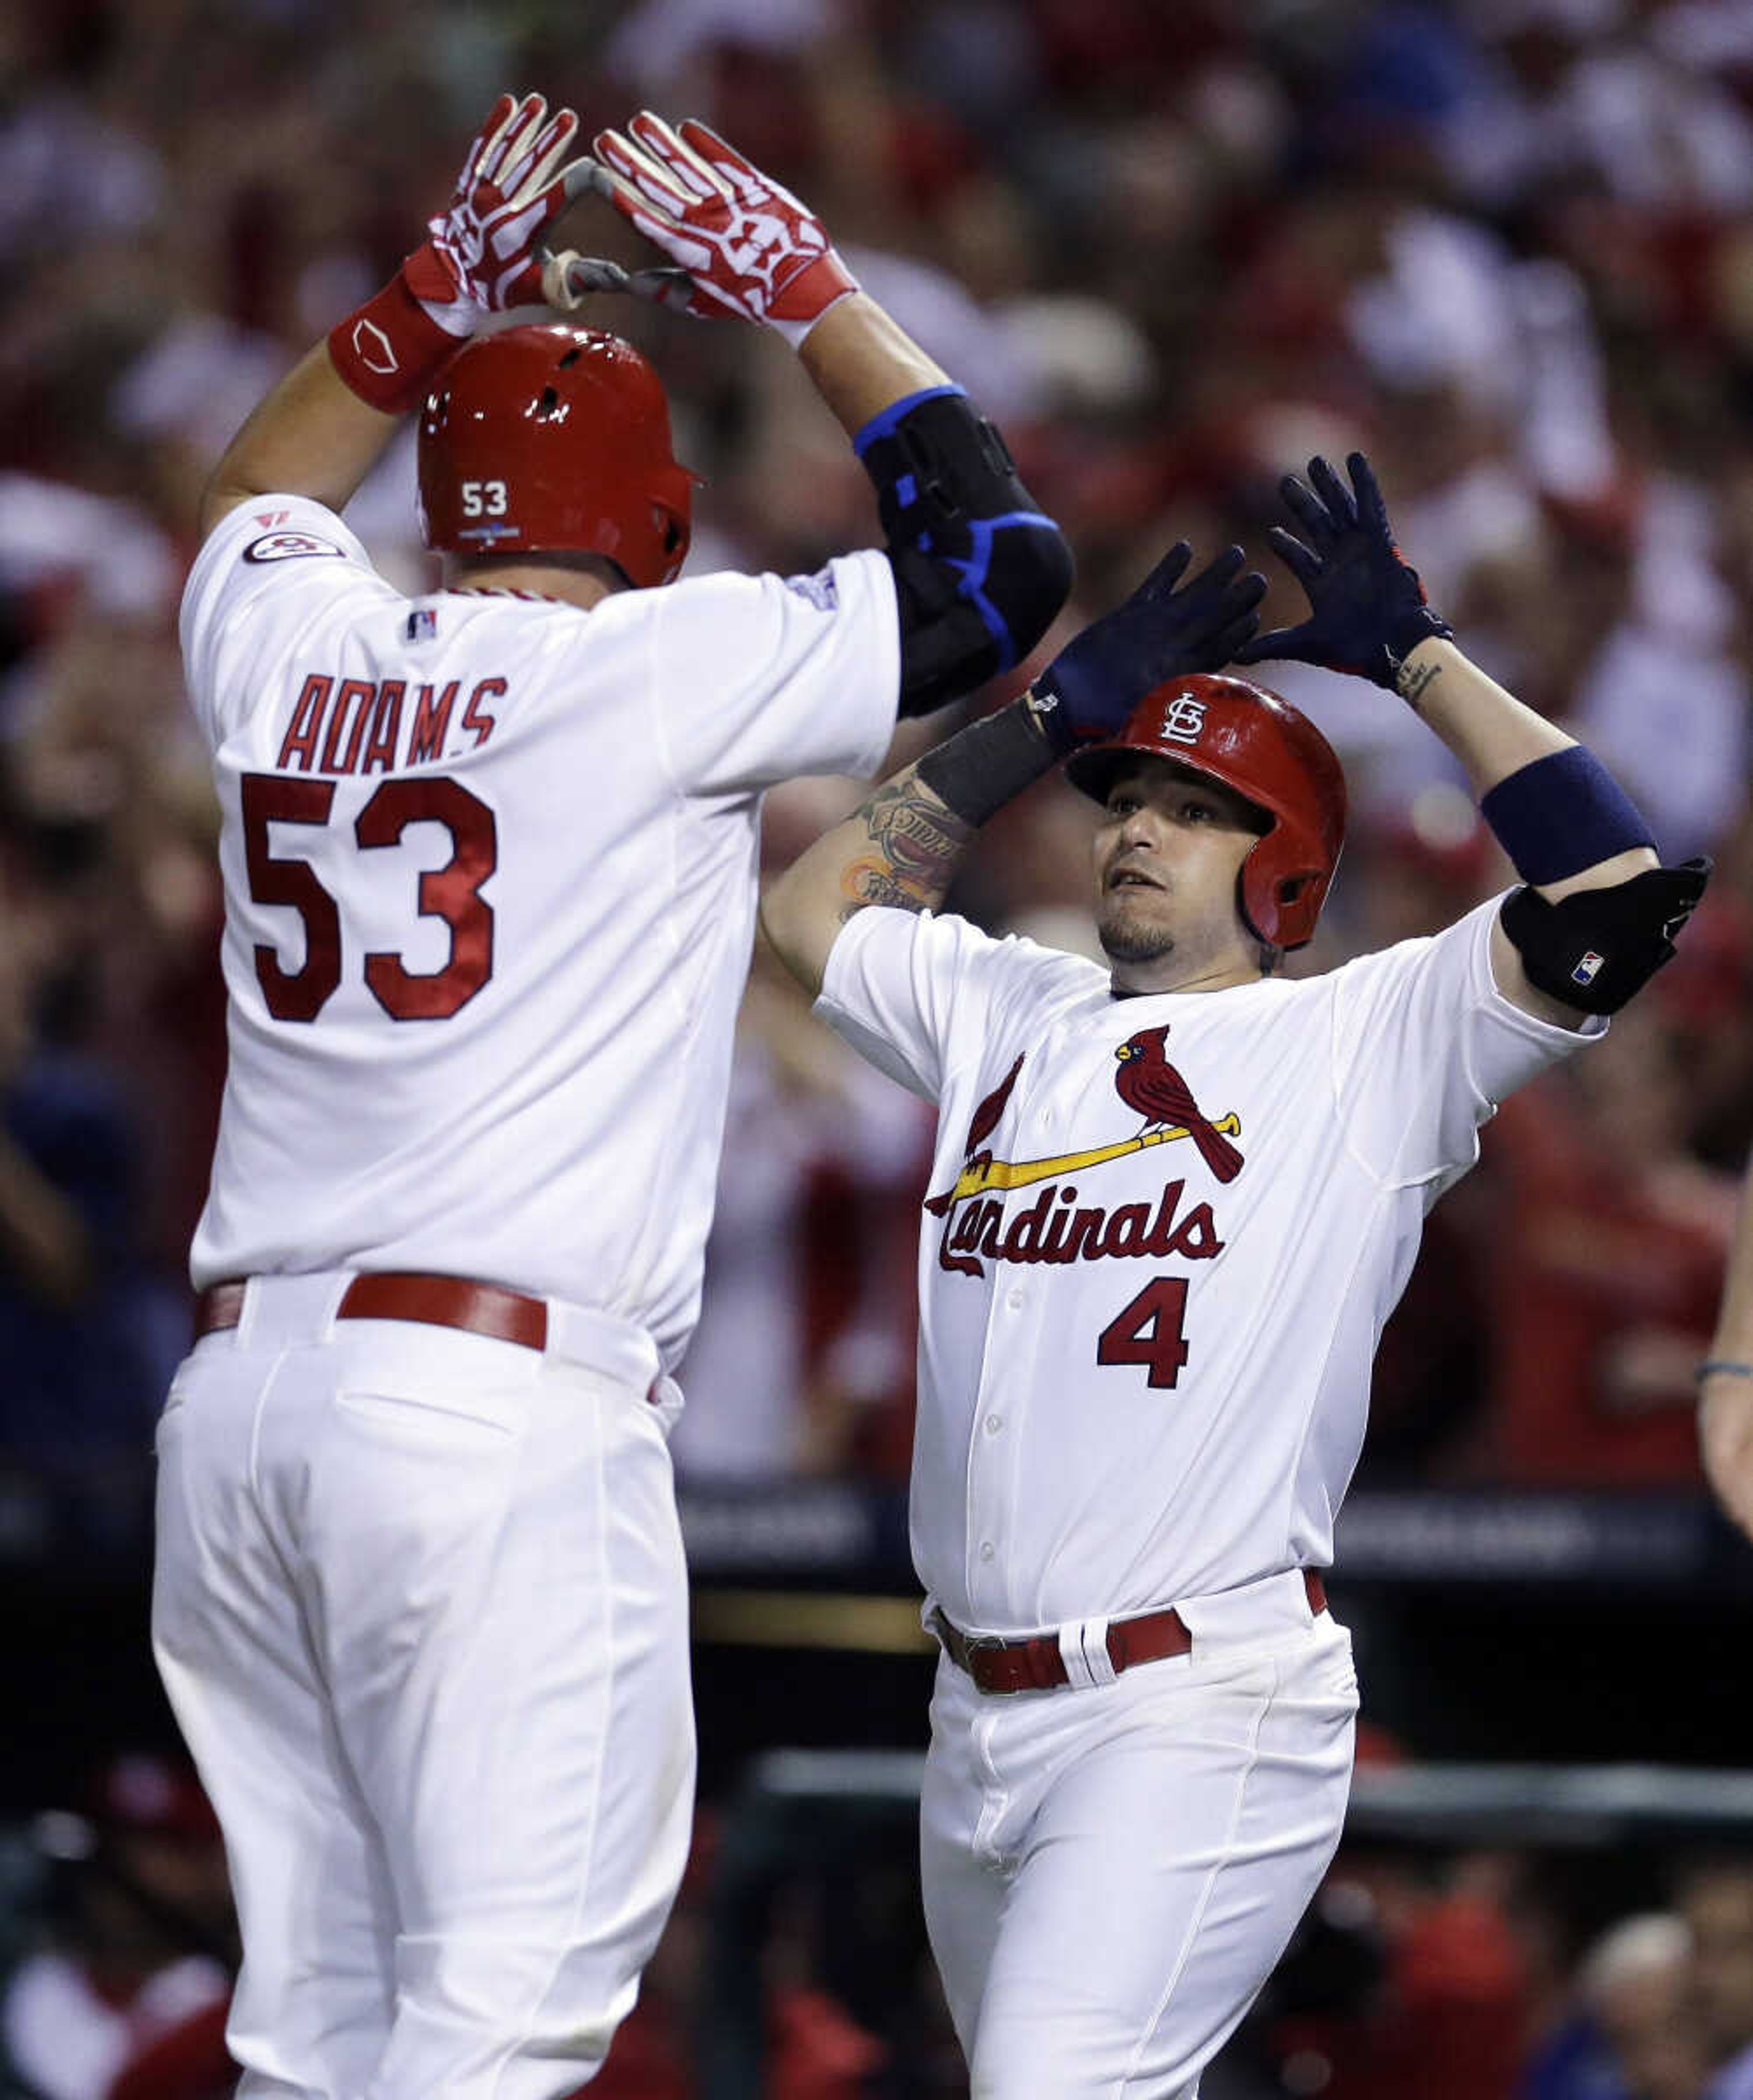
(426, 1413)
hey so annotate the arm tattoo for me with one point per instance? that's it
(1413, 679)
(915, 843)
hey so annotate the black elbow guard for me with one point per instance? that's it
(1595, 948)
(980, 572)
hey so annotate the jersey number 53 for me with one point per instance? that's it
(451, 892)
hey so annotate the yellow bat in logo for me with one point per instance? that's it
(981, 1175)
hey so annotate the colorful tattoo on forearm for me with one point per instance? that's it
(915, 843)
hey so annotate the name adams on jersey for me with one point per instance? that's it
(361, 725)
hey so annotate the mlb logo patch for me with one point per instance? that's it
(819, 590)
(422, 624)
(1588, 969)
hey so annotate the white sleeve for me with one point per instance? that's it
(267, 573)
(1425, 1046)
(907, 990)
(762, 678)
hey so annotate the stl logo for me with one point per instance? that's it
(1184, 719)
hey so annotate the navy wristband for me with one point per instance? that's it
(1564, 813)
(976, 771)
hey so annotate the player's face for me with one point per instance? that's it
(1168, 850)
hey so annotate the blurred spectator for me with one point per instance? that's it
(810, 2047)
(798, 1337)
(187, 2062)
(80, 1335)
(138, 1935)
(1605, 1277)
(1714, 1896)
(1434, 1998)
(1634, 2034)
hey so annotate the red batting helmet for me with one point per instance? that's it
(1253, 742)
(548, 440)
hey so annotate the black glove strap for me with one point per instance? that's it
(979, 769)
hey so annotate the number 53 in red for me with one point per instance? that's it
(452, 894)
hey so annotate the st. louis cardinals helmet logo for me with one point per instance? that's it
(1183, 719)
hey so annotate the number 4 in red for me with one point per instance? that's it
(1148, 1331)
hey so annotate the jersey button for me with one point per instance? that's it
(1015, 1300)
(994, 1423)
(988, 1550)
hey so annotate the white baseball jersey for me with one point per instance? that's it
(1163, 1234)
(489, 868)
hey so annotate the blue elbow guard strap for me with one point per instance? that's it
(1563, 814)
(979, 571)
(1593, 949)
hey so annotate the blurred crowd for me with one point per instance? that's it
(794, 1966)
(1505, 245)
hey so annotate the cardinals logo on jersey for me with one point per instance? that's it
(981, 1124)
(1148, 1082)
(1053, 1227)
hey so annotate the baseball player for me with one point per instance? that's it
(489, 858)
(1173, 1203)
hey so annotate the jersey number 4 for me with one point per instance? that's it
(1149, 1331)
(451, 892)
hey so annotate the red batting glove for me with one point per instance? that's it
(483, 255)
(748, 246)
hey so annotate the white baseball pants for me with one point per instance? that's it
(420, 1607)
(1112, 1872)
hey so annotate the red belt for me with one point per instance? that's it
(435, 1301)
(1036, 1665)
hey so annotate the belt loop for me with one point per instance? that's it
(343, 1281)
(249, 1298)
(1083, 1649)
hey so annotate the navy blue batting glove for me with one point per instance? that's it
(1367, 608)
(1159, 633)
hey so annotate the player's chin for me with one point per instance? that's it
(1129, 935)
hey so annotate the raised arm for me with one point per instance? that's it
(980, 572)
(1725, 1380)
(320, 430)
(901, 848)
(1600, 912)
(311, 435)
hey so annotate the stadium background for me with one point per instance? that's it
(1173, 247)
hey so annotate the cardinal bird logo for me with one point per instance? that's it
(981, 1125)
(1145, 1082)
(1148, 1082)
